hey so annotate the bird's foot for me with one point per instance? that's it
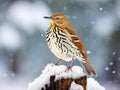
(69, 68)
(58, 61)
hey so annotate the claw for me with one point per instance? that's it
(68, 68)
(58, 61)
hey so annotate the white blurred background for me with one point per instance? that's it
(23, 49)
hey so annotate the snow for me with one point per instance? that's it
(76, 72)
(88, 52)
(111, 63)
(101, 9)
(114, 53)
(75, 86)
(42, 35)
(60, 72)
(113, 72)
(93, 85)
(106, 68)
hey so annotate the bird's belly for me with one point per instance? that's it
(60, 50)
(61, 46)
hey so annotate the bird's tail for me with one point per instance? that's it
(88, 67)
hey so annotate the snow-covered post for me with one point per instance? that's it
(57, 78)
(64, 84)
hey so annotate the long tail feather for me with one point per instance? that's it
(88, 67)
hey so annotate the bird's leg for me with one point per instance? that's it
(70, 65)
(58, 61)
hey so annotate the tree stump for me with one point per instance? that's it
(64, 84)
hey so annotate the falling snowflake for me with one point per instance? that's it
(42, 35)
(111, 63)
(88, 52)
(113, 72)
(107, 68)
(114, 53)
(100, 9)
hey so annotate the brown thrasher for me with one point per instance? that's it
(64, 43)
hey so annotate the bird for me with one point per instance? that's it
(64, 43)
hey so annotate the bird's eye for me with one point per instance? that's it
(57, 18)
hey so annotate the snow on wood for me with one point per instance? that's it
(60, 73)
(75, 86)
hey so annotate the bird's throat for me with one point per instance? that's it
(52, 24)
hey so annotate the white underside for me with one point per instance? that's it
(66, 56)
(57, 51)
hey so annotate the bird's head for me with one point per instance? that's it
(58, 19)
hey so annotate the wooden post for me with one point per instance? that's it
(64, 84)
